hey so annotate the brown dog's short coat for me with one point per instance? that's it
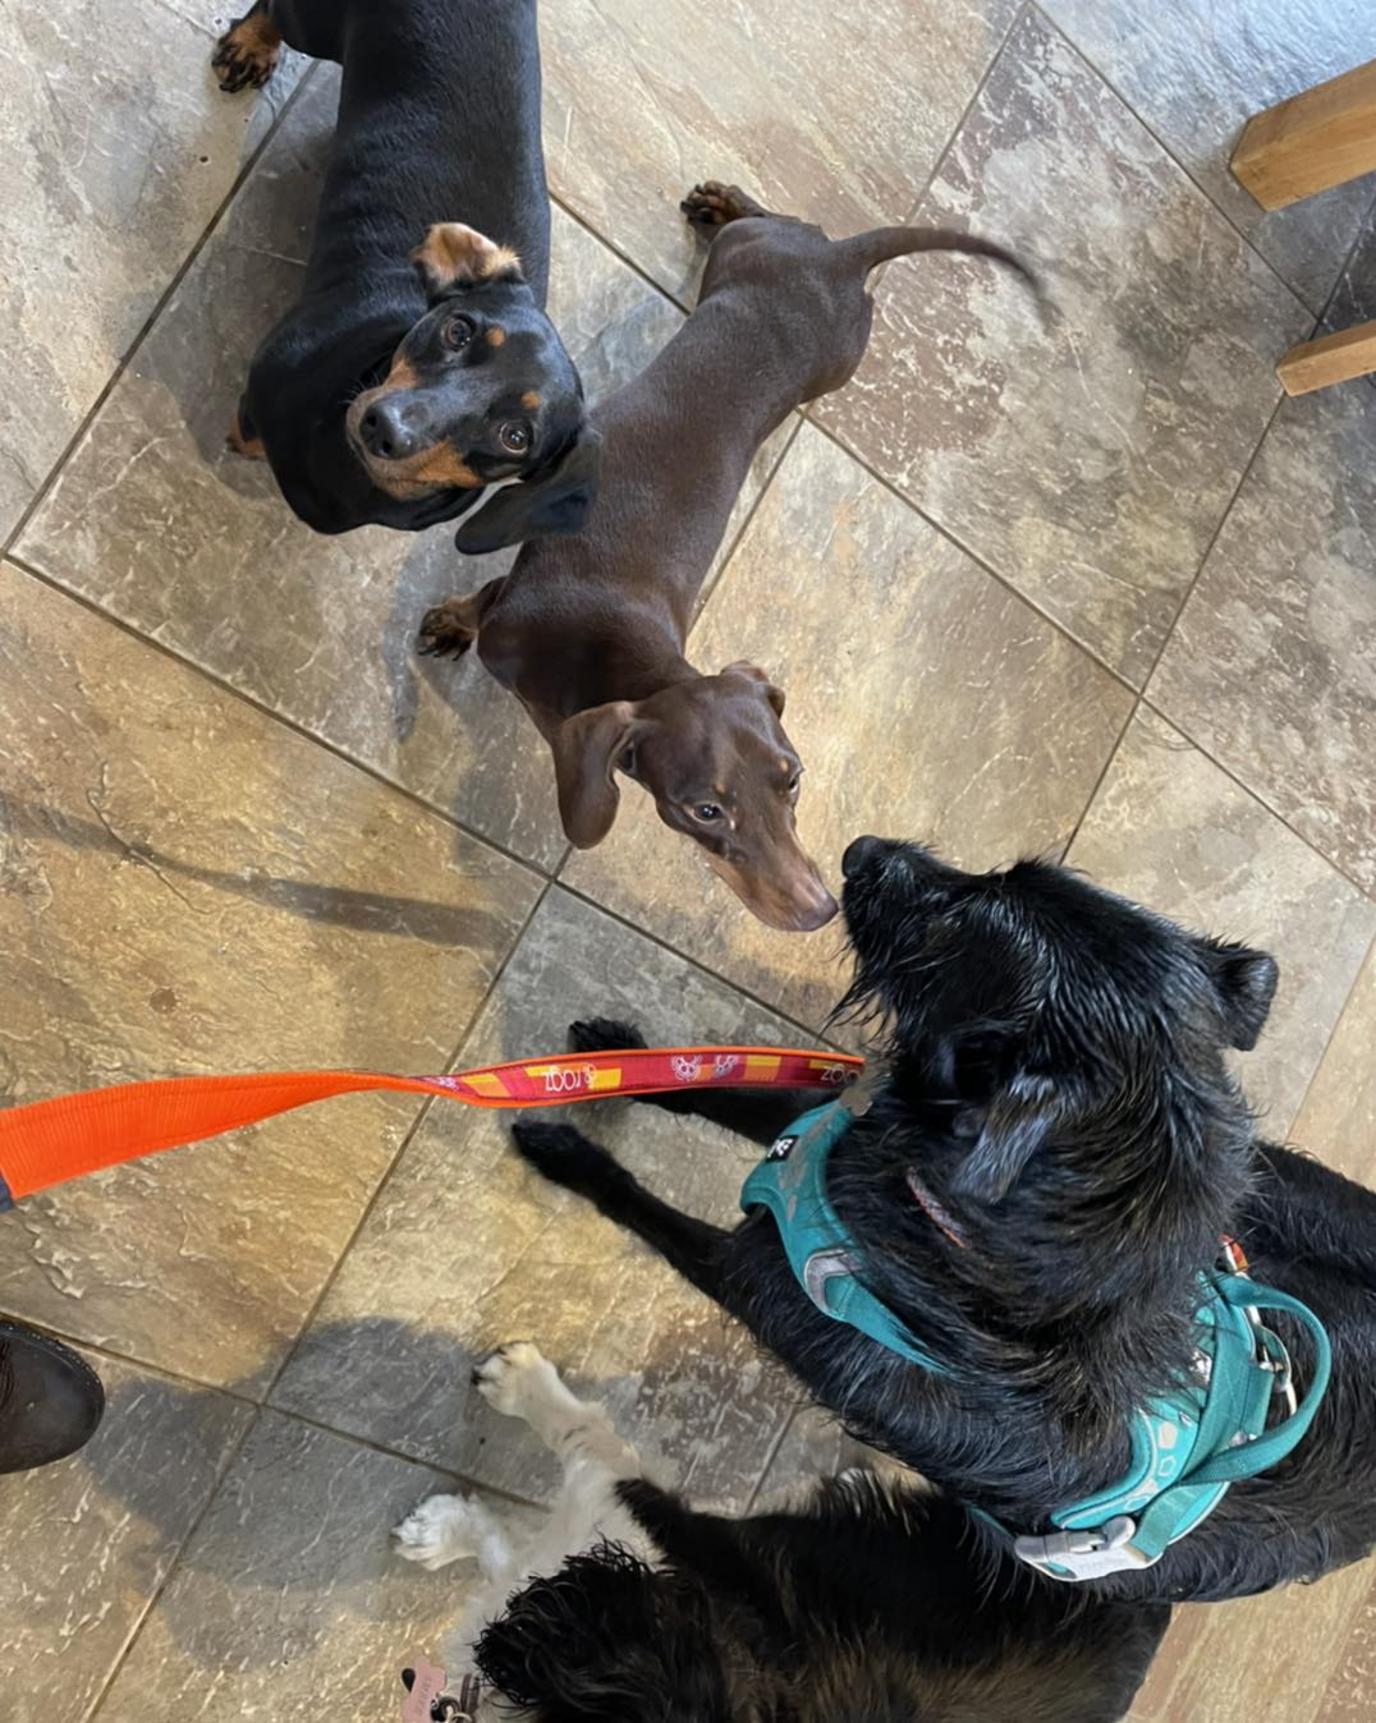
(589, 631)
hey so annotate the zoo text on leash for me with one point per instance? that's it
(47, 1142)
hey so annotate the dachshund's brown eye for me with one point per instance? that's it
(457, 333)
(707, 812)
(514, 437)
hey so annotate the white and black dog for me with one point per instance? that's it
(869, 1603)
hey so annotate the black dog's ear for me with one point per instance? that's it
(1016, 1123)
(551, 503)
(1245, 981)
(588, 749)
(772, 693)
(454, 256)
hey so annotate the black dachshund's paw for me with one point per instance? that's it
(246, 55)
(713, 204)
(562, 1154)
(603, 1035)
(443, 632)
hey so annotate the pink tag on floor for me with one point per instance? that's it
(425, 1690)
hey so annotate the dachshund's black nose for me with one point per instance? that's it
(384, 432)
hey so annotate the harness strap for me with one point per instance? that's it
(1273, 1445)
(1209, 1431)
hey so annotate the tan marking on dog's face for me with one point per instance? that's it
(250, 447)
(496, 337)
(440, 467)
(530, 400)
(454, 252)
(401, 376)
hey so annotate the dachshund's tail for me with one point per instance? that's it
(867, 250)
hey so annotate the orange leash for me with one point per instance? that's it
(48, 1142)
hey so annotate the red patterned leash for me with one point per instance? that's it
(48, 1142)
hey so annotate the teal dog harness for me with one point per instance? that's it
(1208, 1432)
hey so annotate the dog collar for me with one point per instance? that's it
(1188, 1446)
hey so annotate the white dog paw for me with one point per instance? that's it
(518, 1379)
(442, 1529)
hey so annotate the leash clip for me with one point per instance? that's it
(1074, 1556)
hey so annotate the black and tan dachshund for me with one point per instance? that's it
(418, 368)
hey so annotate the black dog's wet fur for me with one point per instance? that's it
(869, 1604)
(1057, 1079)
(439, 121)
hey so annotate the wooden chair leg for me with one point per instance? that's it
(1315, 140)
(1330, 359)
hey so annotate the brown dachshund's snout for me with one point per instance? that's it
(790, 897)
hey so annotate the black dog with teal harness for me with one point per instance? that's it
(1188, 1447)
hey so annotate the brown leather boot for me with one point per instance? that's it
(50, 1399)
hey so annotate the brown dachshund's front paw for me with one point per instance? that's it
(246, 55)
(444, 632)
(713, 204)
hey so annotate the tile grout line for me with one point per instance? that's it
(974, 556)
(264, 1405)
(287, 722)
(195, 1385)
(1367, 894)
(693, 962)
(622, 256)
(1160, 142)
(156, 1595)
(877, 276)
(464, 1479)
(145, 329)
(564, 203)
(1019, 13)
(1214, 537)
(1099, 781)
(232, 1457)
(1140, 696)
(327, 1286)
(1171, 632)
(1357, 979)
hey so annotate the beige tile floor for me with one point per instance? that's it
(1094, 591)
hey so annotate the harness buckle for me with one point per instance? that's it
(1089, 1554)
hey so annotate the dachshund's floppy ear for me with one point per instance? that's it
(555, 500)
(455, 256)
(773, 694)
(588, 749)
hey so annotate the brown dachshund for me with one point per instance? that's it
(588, 632)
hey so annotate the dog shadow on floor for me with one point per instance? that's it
(294, 1547)
(443, 924)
